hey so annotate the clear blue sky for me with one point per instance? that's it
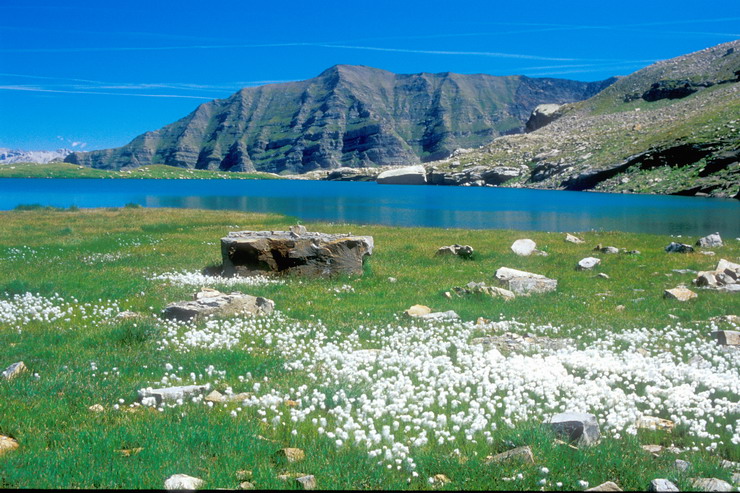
(96, 74)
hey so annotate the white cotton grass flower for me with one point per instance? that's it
(198, 279)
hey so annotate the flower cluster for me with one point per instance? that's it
(198, 279)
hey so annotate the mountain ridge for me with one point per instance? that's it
(349, 115)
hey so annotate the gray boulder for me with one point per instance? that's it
(726, 277)
(524, 283)
(727, 337)
(581, 428)
(541, 116)
(711, 484)
(573, 239)
(464, 251)
(524, 247)
(210, 302)
(303, 253)
(588, 263)
(662, 485)
(183, 482)
(480, 287)
(710, 241)
(674, 247)
(14, 370)
(408, 175)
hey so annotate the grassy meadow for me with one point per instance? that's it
(364, 422)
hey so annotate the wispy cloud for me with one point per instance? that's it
(100, 93)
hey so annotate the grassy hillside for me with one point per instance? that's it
(351, 362)
(684, 145)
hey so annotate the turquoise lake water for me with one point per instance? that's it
(397, 205)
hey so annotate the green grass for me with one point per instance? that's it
(154, 171)
(63, 445)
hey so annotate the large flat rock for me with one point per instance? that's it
(521, 282)
(210, 302)
(408, 175)
(297, 252)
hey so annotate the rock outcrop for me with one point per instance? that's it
(298, 252)
(541, 116)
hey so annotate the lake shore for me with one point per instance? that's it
(339, 361)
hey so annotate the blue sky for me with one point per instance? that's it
(93, 75)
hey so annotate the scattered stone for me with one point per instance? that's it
(521, 454)
(244, 475)
(210, 302)
(440, 479)
(653, 449)
(727, 337)
(440, 316)
(655, 423)
(602, 275)
(620, 308)
(128, 315)
(392, 279)
(482, 288)
(312, 254)
(183, 482)
(215, 396)
(662, 485)
(290, 403)
(728, 464)
(287, 476)
(710, 484)
(418, 311)
(7, 444)
(525, 283)
(606, 249)
(573, 239)
(151, 396)
(682, 465)
(246, 485)
(14, 370)
(96, 408)
(708, 253)
(684, 271)
(307, 482)
(128, 452)
(674, 247)
(510, 342)
(524, 248)
(710, 241)
(588, 263)
(581, 428)
(408, 175)
(291, 454)
(726, 277)
(608, 486)
(679, 293)
(463, 251)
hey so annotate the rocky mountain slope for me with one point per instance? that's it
(349, 116)
(12, 156)
(671, 128)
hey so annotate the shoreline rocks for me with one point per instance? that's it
(408, 175)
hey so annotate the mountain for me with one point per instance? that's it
(11, 156)
(671, 128)
(347, 116)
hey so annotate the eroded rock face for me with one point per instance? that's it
(299, 252)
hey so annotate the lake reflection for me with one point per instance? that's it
(369, 203)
